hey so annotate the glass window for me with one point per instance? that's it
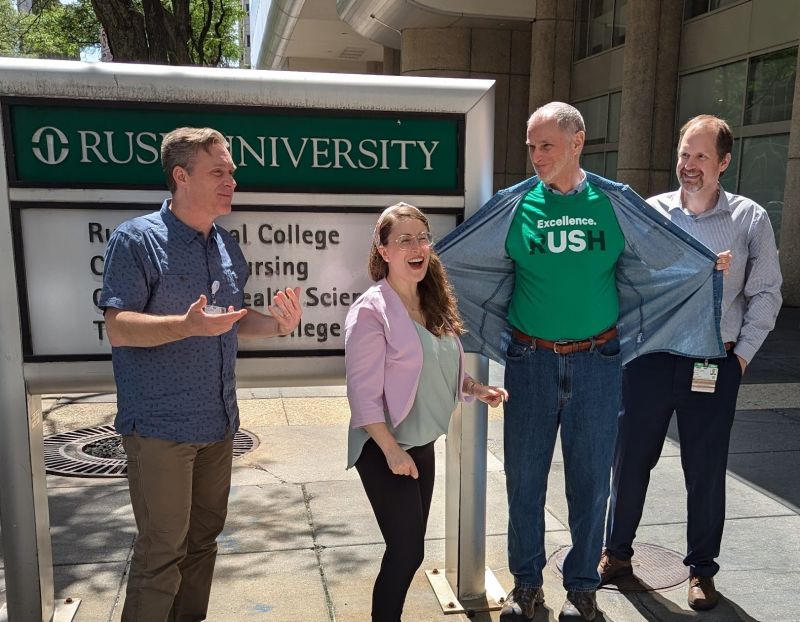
(600, 25)
(718, 4)
(719, 91)
(614, 105)
(611, 164)
(693, 8)
(730, 178)
(595, 116)
(581, 28)
(594, 162)
(763, 174)
(770, 87)
(601, 115)
(620, 19)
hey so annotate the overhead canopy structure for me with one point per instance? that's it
(350, 35)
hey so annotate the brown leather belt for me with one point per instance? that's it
(566, 347)
(729, 345)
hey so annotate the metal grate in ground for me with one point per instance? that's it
(654, 568)
(98, 452)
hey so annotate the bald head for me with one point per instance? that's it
(568, 118)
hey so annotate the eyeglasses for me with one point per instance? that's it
(406, 242)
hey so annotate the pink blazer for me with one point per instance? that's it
(383, 358)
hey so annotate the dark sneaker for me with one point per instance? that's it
(612, 568)
(579, 607)
(521, 603)
(702, 593)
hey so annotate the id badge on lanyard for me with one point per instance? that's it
(704, 377)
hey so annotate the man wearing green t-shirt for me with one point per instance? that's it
(562, 365)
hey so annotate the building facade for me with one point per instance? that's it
(637, 70)
(244, 36)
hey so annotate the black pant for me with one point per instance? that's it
(653, 386)
(401, 505)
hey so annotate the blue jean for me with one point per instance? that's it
(581, 393)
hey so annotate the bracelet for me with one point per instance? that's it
(470, 388)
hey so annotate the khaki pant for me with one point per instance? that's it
(179, 493)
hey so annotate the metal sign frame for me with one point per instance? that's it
(23, 495)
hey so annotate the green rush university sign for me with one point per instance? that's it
(73, 144)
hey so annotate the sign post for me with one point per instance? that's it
(318, 157)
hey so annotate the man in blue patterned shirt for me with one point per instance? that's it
(702, 392)
(174, 357)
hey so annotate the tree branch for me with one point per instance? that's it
(125, 28)
(182, 32)
(218, 33)
(201, 39)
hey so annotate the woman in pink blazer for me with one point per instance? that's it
(405, 373)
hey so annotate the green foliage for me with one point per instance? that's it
(51, 30)
(56, 30)
(8, 28)
(220, 47)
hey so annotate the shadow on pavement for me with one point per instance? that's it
(543, 614)
(778, 359)
(653, 607)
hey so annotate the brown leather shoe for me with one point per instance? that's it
(702, 593)
(612, 568)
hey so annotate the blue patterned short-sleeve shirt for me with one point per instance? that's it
(183, 391)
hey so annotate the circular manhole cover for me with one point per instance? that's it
(98, 452)
(654, 568)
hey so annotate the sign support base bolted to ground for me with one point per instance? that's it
(492, 600)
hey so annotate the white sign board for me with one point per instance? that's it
(324, 253)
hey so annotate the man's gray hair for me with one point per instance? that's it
(568, 118)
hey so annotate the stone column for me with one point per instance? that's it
(391, 62)
(441, 52)
(649, 91)
(498, 54)
(790, 218)
(552, 36)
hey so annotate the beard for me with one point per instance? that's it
(555, 169)
(693, 184)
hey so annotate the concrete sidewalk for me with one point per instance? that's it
(301, 542)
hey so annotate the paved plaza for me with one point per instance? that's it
(301, 542)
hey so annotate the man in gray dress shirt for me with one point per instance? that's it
(702, 392)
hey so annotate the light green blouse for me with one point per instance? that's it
(435, 400)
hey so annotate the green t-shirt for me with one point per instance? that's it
(565, 251)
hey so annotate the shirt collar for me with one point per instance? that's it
(722, 205)
(186, 233)
(576, 190)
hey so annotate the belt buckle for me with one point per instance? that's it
(560, 342)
